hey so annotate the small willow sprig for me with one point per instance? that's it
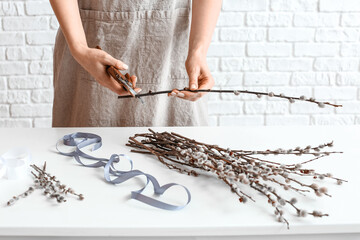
(237, 92)
(241, 167)
(49, 184)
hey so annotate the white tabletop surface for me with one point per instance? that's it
(108, 211)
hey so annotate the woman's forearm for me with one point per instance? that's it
(203, 21)
(93, 60)
(67, 13)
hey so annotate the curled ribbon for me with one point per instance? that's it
(14, 164)
(114, 176)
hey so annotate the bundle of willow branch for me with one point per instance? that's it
(237, 92)
(237, 167)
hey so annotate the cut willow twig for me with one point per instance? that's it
(240, 167)
(49, 184)
(237, 92)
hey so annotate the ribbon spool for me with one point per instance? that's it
(14, 164)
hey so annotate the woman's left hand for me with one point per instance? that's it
(199, 78)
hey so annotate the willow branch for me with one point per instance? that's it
(237, 92)
(237, 168)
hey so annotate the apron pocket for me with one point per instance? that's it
(152, 43)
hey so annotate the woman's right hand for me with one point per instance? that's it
(95, 61)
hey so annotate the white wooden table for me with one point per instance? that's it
(214, 212)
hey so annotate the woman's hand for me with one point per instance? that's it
(203, 20)
(199, 78)
(95, 62)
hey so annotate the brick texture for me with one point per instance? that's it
(296, 47)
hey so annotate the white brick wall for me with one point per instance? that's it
(297, 47)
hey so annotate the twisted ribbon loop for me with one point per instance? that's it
(112, 175)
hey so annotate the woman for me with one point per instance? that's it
(151, 39)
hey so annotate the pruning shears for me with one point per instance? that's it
(124, 80)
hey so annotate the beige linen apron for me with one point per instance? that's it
(151, 36)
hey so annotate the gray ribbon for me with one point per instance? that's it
(80, 140)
